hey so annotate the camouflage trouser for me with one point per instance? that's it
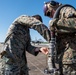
(12, 69)
(69, 56)
(2, 66)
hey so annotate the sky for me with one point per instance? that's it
(11, 9)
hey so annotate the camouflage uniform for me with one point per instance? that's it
(66, 37)
(67, 25)
(66, 28)
(18, 42)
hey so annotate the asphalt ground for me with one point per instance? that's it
(38, 63)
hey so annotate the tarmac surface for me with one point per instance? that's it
(36, 64)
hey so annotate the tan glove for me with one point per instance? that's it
(2, 54)
(53, 24)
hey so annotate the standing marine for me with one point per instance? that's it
(64, 22)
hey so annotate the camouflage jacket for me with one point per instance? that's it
(66, 28)
(67, 20)
(18, 39)
(17, 42)
(32, 23)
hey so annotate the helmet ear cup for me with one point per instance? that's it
(45, 8)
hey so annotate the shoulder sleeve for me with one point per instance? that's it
(66, 12)
(67, 25)
(27, 21)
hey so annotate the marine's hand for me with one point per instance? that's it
(2, 54)
(44, 50)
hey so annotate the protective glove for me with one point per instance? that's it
(2, 54)
(53, 22)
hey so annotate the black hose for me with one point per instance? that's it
(56, 15)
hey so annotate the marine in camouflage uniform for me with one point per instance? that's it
(65, 25)
(17, 42)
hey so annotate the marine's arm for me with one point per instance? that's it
(35, 50)
(35, 24)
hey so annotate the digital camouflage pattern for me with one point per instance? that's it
(17, 42)
(67, 23)
(66, 29)
(67, 12)
(66, 48)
